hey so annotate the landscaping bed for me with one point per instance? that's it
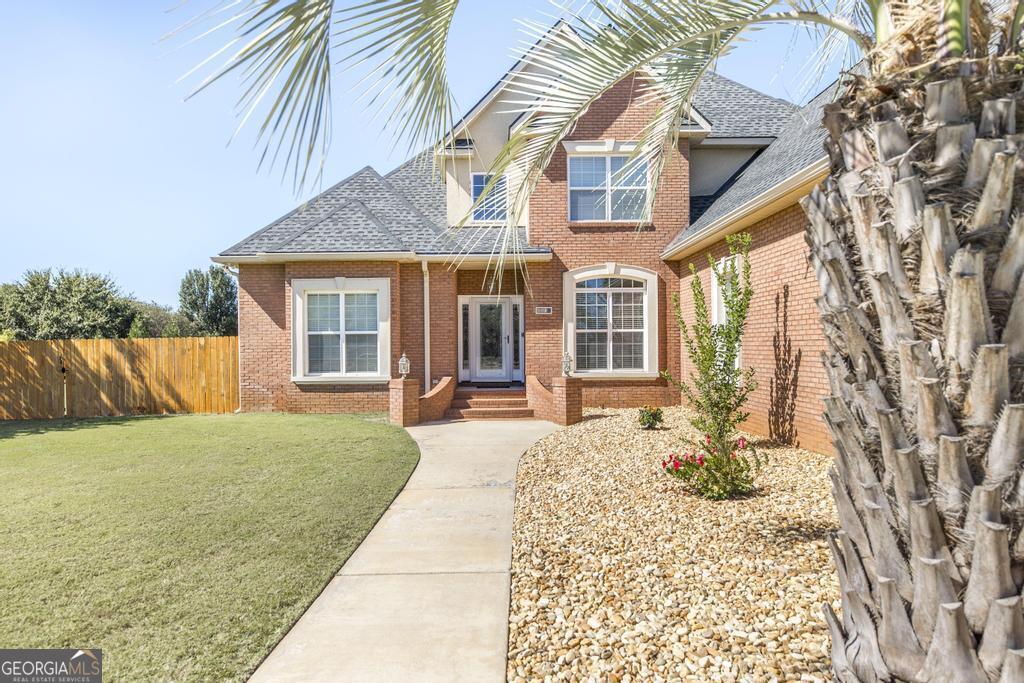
(618, 574)
(184, 547)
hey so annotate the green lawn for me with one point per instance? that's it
(184, 547)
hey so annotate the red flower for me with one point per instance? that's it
(742, 443)
(675, 465)
(707, 438)
(664, 464)
(700, 460)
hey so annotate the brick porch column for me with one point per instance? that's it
(404, 402)
(568, 395)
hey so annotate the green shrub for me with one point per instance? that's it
(650, 417)
(716, 474)
(719, 386)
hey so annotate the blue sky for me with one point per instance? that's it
(106, 167)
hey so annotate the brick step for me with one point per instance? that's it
(488, 413)
(467, 394)
(489, 402)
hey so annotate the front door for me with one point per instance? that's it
(495, 336)
(492, 331)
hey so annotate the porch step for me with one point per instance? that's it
(489, 413)
(477, 392)
(488, 402)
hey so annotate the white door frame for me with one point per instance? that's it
(470, 372)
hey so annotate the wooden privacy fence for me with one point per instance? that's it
(94, 377)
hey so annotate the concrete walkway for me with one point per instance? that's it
(425, 597)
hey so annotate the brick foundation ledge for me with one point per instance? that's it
(562, 404)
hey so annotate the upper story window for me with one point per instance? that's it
(607, 188)
(494, 207)
(340, 330)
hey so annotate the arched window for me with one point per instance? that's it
(611, 320)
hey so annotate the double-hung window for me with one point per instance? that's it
(340, 329)
(494, 207)
(610, 324)
(607, 188)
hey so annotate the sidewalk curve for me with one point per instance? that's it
(425, 597)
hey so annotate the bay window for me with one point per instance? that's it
(340, 330)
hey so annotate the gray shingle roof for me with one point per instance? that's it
(736, 111)
(798, 145)
(405, 209)
(401, 212)
(420, 182)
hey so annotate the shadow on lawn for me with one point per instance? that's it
(12, 429)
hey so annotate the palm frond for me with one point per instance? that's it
(404, 43)
(669, 43)
(284, 66)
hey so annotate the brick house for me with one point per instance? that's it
(334, 293)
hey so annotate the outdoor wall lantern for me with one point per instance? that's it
(403, 366)
(566, 364)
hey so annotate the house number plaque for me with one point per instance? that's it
(542, 310)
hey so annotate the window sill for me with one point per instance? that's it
(616, 375)
(340, 379)
(632, 225)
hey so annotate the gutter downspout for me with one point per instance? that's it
(426, 327)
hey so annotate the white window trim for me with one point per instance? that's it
(606, 149)
(472, 199)
(716, 297)
(600, 147)
(650, 278)
(340, 286)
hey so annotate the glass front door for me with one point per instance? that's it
(492, 340)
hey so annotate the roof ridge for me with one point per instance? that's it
(296, 210)
(364, 209)
(378, 222)
(309, 226)
(405, 200)
(746, 87)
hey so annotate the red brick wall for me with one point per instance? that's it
(620, 115)
(783, 337)
(265, 334)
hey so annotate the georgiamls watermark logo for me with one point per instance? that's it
(51, 666)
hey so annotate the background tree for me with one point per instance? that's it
(155, 320)
(915, 239)
(208, 302)
(64, 305)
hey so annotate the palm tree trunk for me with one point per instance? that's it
(918, 243)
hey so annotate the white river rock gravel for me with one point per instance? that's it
(618, 574)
